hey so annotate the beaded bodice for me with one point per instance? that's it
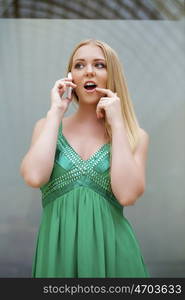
(71, 171)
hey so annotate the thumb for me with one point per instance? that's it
(100, 112)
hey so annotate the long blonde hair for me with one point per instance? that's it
(116, 82)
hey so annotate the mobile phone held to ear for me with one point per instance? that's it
(69, 89)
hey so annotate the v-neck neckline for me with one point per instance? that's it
(76, 153)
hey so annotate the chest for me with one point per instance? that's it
(85, 146)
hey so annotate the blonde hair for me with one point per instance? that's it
(116, 82)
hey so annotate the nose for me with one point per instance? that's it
(90, 70)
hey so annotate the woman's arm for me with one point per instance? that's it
(36, 166)
(128, 169)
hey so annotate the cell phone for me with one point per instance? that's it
(69, 89)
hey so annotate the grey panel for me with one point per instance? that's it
(33, 54)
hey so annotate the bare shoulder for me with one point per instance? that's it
(144, 136)
(141, 151)
(39, 125)
(68, 124)
(37, 129)
(143, 133)
(142, 145)
(67, 120)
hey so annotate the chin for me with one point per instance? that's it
(90, 99)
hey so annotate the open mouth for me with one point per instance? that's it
(89, 86)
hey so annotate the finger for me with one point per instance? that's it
(65, 78)
(104, 100)
(70, 84)
(67, 83)
(59, 91)
(100, 110)
(109, 93)
(61, 84)
(100, 114)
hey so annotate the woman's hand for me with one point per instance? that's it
(57, 102)
(111, 106)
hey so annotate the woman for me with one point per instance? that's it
(88, 166)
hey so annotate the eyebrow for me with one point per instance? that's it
(96, 59)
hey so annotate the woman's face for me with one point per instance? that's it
(89, 71)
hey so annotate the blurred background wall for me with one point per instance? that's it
(33, 54)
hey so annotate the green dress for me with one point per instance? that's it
(83, 232)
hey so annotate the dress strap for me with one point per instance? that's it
(60, 129)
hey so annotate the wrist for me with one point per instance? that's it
(55, 113)
(118, 125)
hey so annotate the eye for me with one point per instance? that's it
(100, 65)
(79, 66)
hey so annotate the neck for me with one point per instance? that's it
(87, 118)
(86, 113)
